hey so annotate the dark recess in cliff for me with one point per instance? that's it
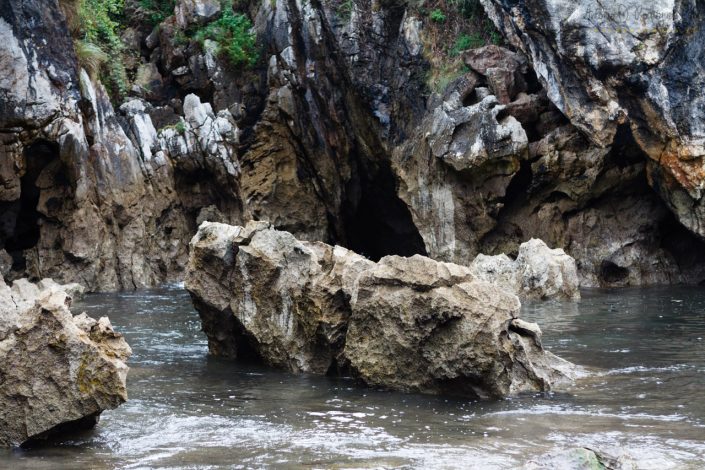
(376, 222)
(23, 230)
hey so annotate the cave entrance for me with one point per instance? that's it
(376, 222)
(22, 232)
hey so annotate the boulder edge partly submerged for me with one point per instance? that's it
(410, 324)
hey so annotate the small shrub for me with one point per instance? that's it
(438, 16)
(158, 10)
(180, 127)
(469, 9)
(465, 42)
(99, 24)
(345, 9)
(232, 32)
(90, 56)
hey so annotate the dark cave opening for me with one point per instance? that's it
(612, 273)
(21, 227)
(376, 222)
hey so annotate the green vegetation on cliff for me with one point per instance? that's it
(158, 10)
(96, 26)
(451, 27)
(233, 35)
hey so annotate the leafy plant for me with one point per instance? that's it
(345, 8)
(465, 42)
(90, 56)
(232, 33)
(438, 16)
(158, 10)
(98, 27)
(469, 9)
(180, 127)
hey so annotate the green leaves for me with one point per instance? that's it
(99, 24)
(232, 33)
(158, 10)
(438, 16)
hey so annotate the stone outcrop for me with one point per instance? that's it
(537, 272)
(334, 136)
(624, 63)
(410, 324)
(544, 179)
(58, 372)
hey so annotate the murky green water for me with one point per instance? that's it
(645, 392)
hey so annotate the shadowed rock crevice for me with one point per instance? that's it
(22, 218)
(376, 222)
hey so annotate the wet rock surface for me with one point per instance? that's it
(583, 458)
(410, 324)
(58, 371)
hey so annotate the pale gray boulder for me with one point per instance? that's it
(538, 272)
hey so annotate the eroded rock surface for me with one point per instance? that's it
(537, 272)
(411, 324)
(335, 136)
(607, 64)
(583, 458)
(56, 370)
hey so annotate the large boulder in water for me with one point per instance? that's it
(410, 324)
(421, 325)
(58, 372)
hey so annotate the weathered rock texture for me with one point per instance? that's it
(576, 137)
(583, 458)
(537, 272)
(625, 63)
(57, 372)
(410, 324)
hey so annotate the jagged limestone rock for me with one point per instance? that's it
(625, 63)
(423, 326)
(411, 324)
(56, 370)
(537, 272)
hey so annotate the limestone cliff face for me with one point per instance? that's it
(630, 64)
(334, 136)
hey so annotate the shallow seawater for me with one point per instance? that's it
(645, 391)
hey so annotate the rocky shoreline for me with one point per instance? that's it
(352, 216)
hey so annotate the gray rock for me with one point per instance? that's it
(582, 458)
(423, 326)
(56, 369)
(190, 13)
(538, 272)
(5, 263)
(643, 67)
(410, 324)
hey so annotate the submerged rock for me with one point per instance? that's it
(410, 324)
(57, 372)
(582, 458)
